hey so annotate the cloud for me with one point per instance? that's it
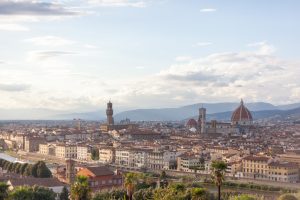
(119, 3)
(90, 46)
(42, 55)
(14, 87)
(182, 58)
(208, 10)
(221, 77)
(8, 7)
(49, 41)
(264, 47)
(13, 27)
(140, 67)
(203, 44)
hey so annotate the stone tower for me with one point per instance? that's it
(109, 113)
(202, 120)
(70, 171)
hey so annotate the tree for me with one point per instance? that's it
(111, 195)
(64, 195)
(3, 190)
(80, 189)
(218, 172)
(42, 170)
(32, 193)
(287, 197)
(34, 168)
(21, 193)
(130, 180)
(42, 193)
(28, 170)
(95, 154)
(17, 168)
(10, 167)
(199, 194)
(143, 194)
(23, 168)
(163, 175)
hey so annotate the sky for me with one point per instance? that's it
(76, 55)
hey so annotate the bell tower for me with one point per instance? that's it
(202, 120)
(109, 113)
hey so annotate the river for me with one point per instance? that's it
(8, 157)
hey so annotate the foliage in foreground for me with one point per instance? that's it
(38, 170)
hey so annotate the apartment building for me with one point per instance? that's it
(162, 159)
(47, 149)
(256, 167)
(188, 163)
(66, 151)
(265, 168)
(107, 155)
(32, 143)
(84, 152)
(284, 172)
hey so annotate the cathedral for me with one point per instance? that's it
(241, 122)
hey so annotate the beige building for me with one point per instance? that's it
(107, 155)
(47, 149)
(284, 172)
(32, 143)
(83, 152)
(265, 168)
(66, 151)
(188, 163)
(256, 167)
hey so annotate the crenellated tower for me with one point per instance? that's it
(109, 113)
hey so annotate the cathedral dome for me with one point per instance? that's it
(191, 123)
(241, 115)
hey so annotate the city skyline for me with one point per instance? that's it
(76, 55)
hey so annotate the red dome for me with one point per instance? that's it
(241, 114)
(192, 123)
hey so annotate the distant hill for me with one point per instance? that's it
(219, 111)
(262, 114)
(165, 114)
(97, 115)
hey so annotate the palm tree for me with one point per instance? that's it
(80, 189)
(130, 180)
(217, 173)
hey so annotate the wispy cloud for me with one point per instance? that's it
(8, 7)
(119, 3)
(13, 27)
(42, 55)
(49, 41)
(264, 47)
(14, 87)
(202, 44)
(208, 10)
(90, 46)
(182, 58)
